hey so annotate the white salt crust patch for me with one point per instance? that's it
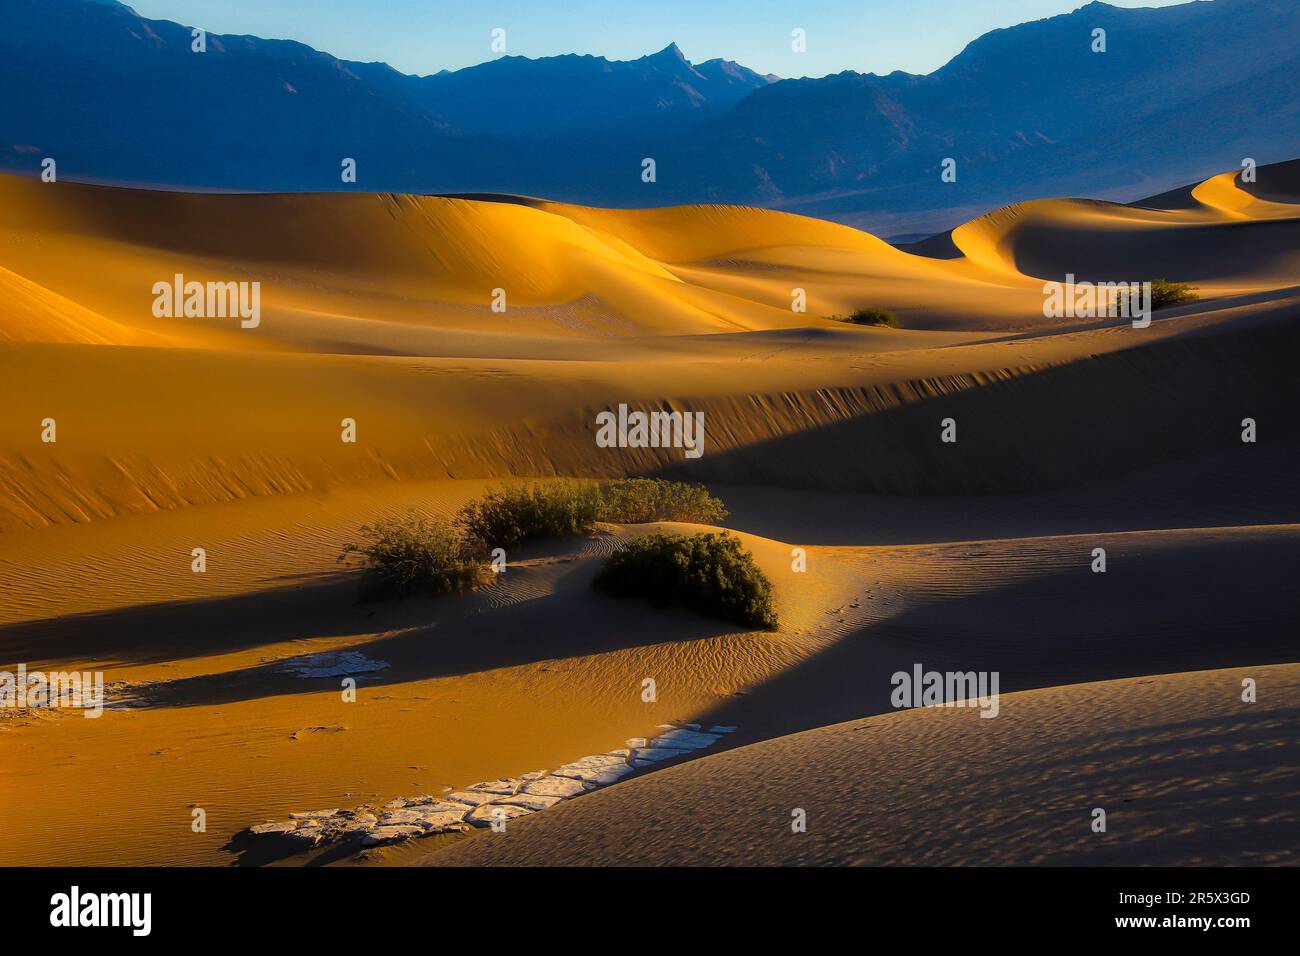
(529, 801)
(479, 804)
(490, 813)
(471, 798)
(555, 787)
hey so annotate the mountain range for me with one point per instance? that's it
(1180, 92)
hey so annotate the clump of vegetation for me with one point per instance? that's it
(506, 516)
(1164, 292)
(424, 554)
(642, 500)
(415, 554)
(710, 573)
(879, 317)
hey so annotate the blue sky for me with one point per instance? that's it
(424, 36)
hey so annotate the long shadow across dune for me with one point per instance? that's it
(176, 630)
(1197, 601)
(1053, 427)
(1244, 485)
(418, 638)
(315, 605)
(1268, 307)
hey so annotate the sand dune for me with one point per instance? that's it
(1073, 434)
(1173, 760)
(34, 314)
(530, 672)
(1101, 241)
(387, 299)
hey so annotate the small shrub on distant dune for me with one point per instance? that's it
(1164, 292)
(515, 513)
(506, 516)
(879, 317)
(642, 500)
(710, 573)
(412, 555)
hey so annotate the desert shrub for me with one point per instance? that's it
(1164, 292)
(710, 573)
(869, 317)
(506, 516)
(642, 500)
(414, 554)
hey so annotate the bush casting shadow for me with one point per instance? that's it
(710, 573)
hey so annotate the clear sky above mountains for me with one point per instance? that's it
(424, 36)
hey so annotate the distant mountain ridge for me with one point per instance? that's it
(561, 95)
(1180, 92)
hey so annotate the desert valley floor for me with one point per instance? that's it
(1121, 690)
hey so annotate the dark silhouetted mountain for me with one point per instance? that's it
(1180, 92)
(563, 96)
(113, 96)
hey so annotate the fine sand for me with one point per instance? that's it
(1186, 773)
(1073, 434)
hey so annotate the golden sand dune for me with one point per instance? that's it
(385, 261)
(420, 260)
(32, 313)
(377, 309)
(1174, 761)
(1226, 239)
(385, 301)
(1225, 194)
(177, 433)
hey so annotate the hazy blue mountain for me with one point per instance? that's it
(1028, 110)
(113, 96)
(564, 96)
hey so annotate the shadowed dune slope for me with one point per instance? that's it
(183, 426)
(1175, 761)
(1276, 182)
